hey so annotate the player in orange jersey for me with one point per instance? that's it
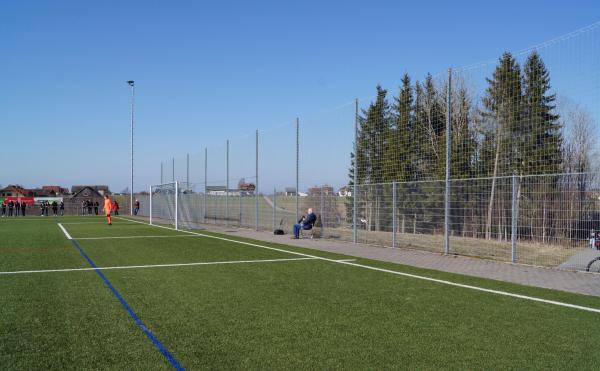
(107, 208)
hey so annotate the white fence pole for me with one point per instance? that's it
(176, 205)
(150, 205)
(394, 216)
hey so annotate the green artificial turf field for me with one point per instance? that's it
(161, 298)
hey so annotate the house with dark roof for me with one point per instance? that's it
(100, 189)
(14, 190)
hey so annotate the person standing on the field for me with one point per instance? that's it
(62, 208)
(11, 206)
(89, 207)
(116, 207)
(96, 207)
(54, 208)
(107, 209)
(23, 206)
(3, 209)
(17, 208)
(136, 209)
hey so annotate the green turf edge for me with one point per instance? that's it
(542, 293)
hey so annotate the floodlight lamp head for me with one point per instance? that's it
(131, 82)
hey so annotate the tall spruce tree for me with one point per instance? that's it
(463, 156)
(373, 138)
(543, 137)
(430, 127)
(502, 109)
(400, 149)
(542, 144)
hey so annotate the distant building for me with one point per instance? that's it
(55, 190)
(87, 193)
(326, 190)
(246, 189)
(221, 191)
(15, 191)
(101, 189)
(216, 190)
(345, 192)
(290, 191)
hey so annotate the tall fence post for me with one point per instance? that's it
(256, 195)
(150, 205)
(448, 153)
(205, 182)
(176, 205)
(297, 167)
(322, 211)
(355, 177)
(173, 169)
(274, 208)
(187, 171)
(241, 207)
(514, 218)
(161, 173)
(394, 217)
(227, 184)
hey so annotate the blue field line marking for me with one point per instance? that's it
(165, 352)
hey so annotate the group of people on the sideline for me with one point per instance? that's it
(17, 208)
(89, 207)
(56, 207)
(13, 208)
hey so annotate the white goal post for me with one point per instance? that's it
(164, 203)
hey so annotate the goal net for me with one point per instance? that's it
(164, 204)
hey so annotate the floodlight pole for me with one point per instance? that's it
(131, 83)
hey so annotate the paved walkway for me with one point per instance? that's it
(580, 260)
(551, 278)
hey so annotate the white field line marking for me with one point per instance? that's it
(129, 237)
(49, 219)
(443, 282)
(65, 231)
(158, 265)
(103, 222)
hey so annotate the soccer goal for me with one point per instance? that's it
(164, 204)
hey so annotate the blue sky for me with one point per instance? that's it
(208, 71)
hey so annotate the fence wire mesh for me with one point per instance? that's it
(499, 159)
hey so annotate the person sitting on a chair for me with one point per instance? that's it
(306, 223)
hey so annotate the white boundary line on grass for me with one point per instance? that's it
(101, 222)
(130, 237)
(65, 231)
(156, 266)
(425, 278)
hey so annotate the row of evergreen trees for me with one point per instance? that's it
(513, 129)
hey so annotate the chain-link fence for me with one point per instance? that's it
(495, 160)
